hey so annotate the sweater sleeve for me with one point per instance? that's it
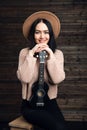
(26, 66)
(55, 67)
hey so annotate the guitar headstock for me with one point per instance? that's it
(42, 56)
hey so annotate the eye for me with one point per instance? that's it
(37, 32)
(46, 32)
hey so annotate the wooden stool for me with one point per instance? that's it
(20, 124)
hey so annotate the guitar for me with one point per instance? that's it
(39, 91)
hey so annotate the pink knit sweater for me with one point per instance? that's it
(28, 70)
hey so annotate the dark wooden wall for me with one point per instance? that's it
(72, 41)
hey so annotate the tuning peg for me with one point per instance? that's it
(46, 56)
(37, 55)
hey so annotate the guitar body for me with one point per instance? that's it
(39, 94)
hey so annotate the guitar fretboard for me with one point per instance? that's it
(41, 73)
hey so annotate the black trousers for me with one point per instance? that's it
(48, 117)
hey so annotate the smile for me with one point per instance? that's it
(42, 41)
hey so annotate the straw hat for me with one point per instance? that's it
(52, 18)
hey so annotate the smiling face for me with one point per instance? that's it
(41, 34)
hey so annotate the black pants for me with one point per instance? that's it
(48, 117)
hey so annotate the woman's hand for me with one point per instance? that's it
(47, 49)
(40, 47)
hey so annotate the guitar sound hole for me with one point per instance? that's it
(41, 93)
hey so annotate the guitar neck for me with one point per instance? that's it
(42, 57)
(41, 74)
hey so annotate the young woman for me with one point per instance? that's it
(41, 29)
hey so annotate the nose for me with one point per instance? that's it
(42, 35)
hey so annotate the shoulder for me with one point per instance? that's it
(58, 52)
(59, 55)
(24, 52)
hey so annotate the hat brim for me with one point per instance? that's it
(52, 18)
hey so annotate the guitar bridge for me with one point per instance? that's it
(40, 104)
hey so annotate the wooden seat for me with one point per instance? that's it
(20, 124)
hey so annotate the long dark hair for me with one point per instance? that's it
(51, 43)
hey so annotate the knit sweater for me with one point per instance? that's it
(28, 72)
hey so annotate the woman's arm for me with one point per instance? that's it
(26, 65)
(55, 67)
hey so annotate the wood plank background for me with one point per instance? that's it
(72, 97)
